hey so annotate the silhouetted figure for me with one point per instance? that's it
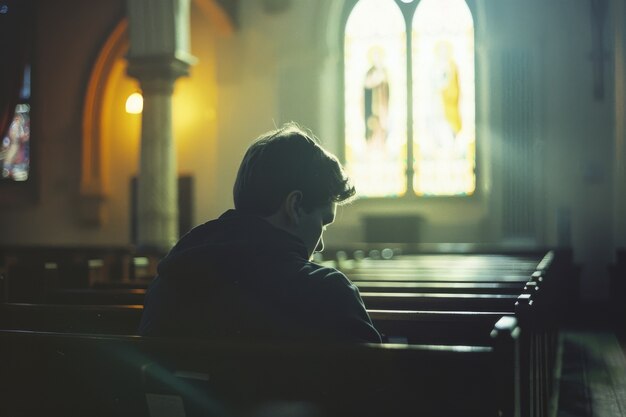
(248, 274)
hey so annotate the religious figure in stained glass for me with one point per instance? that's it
(375, 98)
(443, 98)
(449, 86)
(445, 115)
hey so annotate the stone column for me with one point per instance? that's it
(158, 56)
(157, 199)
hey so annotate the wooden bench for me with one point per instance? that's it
(465, 261)
(492, 287)
(378, 295)
(439, 301)
(372, 300)
(434, 327)
(447, 268)
(380, 286)
(397, 270)
(101, 319)
(441, 287)
(537, 346)
(30, 272)
(77, 375)
(141, 284)
(91, 296)
(439, 276)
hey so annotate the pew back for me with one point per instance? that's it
(109, 376)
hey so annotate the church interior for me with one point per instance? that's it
(485, 138)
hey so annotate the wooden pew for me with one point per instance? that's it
(426, 327)
(99, 319)
(539, 311)
(435, 327)
(445, 267)
(476, 272)
(379, 286)
(472, 304)
(436, 276)
(537, 353)
(439, 301)
(372, 300)
(90, 296)
(77, 375)
(464, 261)
(141, 284)
(538, 357)
(494, 295)
(441, 287)
(103, 319)
(30, 272)
(537, 342)
(535, 308)
(402, 290)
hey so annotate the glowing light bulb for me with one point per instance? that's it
(134, 103)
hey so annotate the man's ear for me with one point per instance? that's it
(293, 207)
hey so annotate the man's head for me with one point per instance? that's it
(287, 178)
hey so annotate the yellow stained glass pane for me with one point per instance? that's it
(444, 137)
(375, 98)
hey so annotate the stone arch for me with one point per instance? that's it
(95, 183)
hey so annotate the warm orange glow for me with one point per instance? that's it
(95, 163)
(216, 15)
(134, 103)
(113, 138)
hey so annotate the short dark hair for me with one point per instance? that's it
(287, 159)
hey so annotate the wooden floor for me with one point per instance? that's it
(593, 374)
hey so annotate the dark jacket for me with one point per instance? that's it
(239, 277)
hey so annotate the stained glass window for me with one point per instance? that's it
(443, 98)
(375, 98)
(443, 142)
(15, 147)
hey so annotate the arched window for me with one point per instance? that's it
(400, 139)
(376, 97)
(443, 98)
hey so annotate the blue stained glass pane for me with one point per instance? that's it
(25, 91)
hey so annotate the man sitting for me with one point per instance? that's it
(248, 275)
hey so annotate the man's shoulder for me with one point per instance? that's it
(317, 270)
(324, 275)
